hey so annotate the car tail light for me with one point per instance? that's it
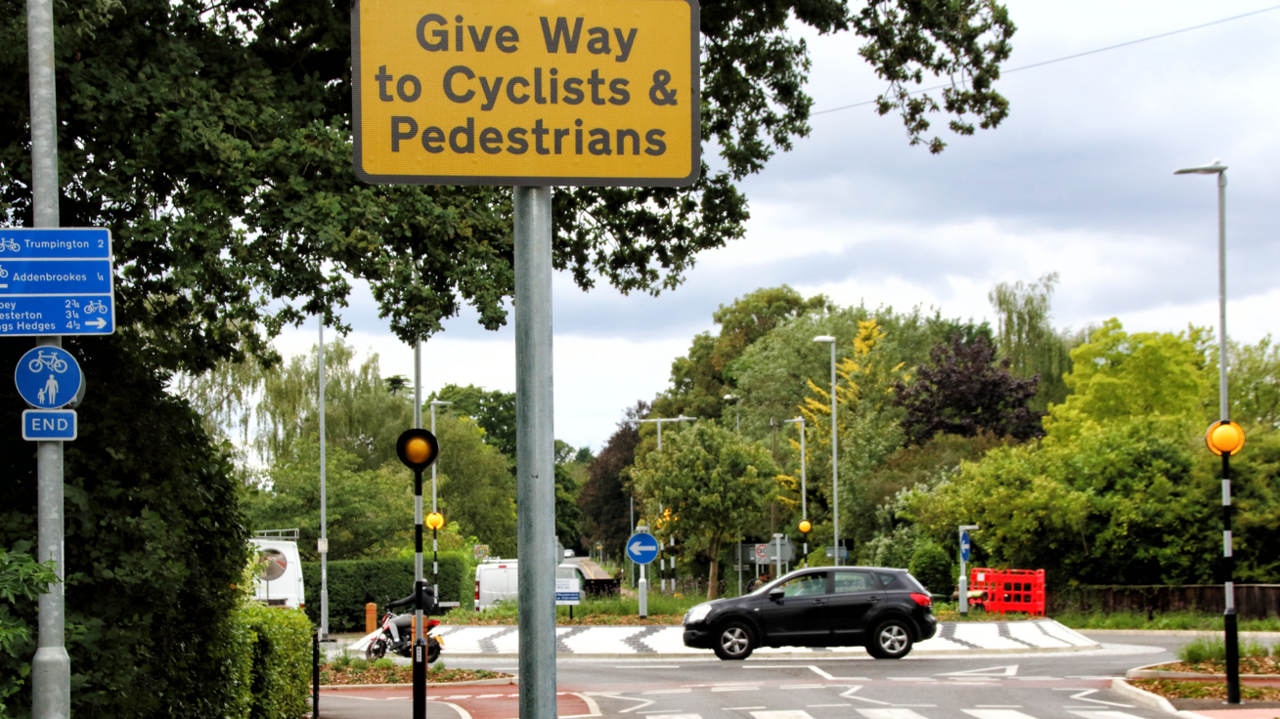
(923, 600)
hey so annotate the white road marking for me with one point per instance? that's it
(1084, 697)
(462, 713)
(1008, 670)
(802, 686)
(648, 666)
(791, 714)
(1104, 715)
(736, 689)
(739, 709)
(592, 706)
(679, 716)
(999, 706)
(895, 713)
(819, 706)
(490, 696)
(996, 714)
(667, 691)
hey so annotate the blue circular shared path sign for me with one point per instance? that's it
(964, 546)
(48, 377)
(642, 548)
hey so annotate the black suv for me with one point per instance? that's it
(884, 610)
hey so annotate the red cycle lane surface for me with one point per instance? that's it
(481, 702)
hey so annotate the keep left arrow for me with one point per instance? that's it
(637, 548)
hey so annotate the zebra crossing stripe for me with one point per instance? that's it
(997, 714)
(794, 714)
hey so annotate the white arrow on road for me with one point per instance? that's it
(99, 323)
(637, 548)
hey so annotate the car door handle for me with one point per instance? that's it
(819, 602)
(873, 600)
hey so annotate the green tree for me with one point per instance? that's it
(215, 141)
(369, 513)
(568, 514)
(1025, 337)
(494, 411)
(22, 579)
(932, 566)
(1253, 384)
(1119, 375)
(476, 487)
(712, 481)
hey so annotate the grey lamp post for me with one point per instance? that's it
(835, 483)
(435, 567)
(1229, 615)
(323, 544)
(661, 560)
(737, 410)
(804, 495)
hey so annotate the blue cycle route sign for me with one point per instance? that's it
(964, 545)
(642, 548)
(48, 377)
(56, 281)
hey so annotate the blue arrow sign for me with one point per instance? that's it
(49, 425)
(48, 377)
(964, 545)
(642, 548)
(56, 281)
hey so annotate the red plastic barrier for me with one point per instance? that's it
(1009, 590)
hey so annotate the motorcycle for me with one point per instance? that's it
(396, 636)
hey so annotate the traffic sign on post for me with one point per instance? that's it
(491, 92)
(56, 281)
(49, 425)
(48, 377)
(964, 545)
(642, 548)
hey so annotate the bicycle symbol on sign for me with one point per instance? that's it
(95, 306)
(3, 273)
(48, 360)
(9, 244)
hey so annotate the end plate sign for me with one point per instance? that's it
(547, 92)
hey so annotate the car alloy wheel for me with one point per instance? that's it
(733, 642)
(892, 640)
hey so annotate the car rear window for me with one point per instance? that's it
(900, 580)
(847, 581)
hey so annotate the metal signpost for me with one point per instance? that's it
(418, 449)
(964, 574)
(563, 92)
(642, 549)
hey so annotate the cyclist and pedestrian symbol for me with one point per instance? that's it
(48, 377)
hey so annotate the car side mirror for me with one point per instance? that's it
(775, 594)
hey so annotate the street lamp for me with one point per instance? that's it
(1229, 614)
(804, 495)
(737, 410)
(661, 560)
(835, 483)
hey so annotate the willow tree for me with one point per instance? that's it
(1026, 338)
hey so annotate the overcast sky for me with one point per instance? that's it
(1078, 180)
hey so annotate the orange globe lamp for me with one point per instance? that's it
(417, 449)
(435, 520)
(805, 526)
(1224, 438)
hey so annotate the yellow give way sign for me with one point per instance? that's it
(547, 92)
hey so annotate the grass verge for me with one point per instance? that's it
(1190, 689)
(387, 672)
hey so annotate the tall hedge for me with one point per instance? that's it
(154, 542)
(281, 661)
(356, 582)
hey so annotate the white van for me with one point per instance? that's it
(279, 582)
(496, 580)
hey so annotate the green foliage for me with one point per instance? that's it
(1117, 505)
(21, 580)
(357, 582)
(1117, 375)
(1180, 620)
(476, 488)
(494, 411)
(384, 663)
(711, 480)
(568, 515)
(369, 513)
(1253, 383)
(281, 654)
(931, 565)
(1026, 338)
(155, 545)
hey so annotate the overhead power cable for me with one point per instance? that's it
(1070, 57)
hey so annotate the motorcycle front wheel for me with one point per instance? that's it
(377, 649)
